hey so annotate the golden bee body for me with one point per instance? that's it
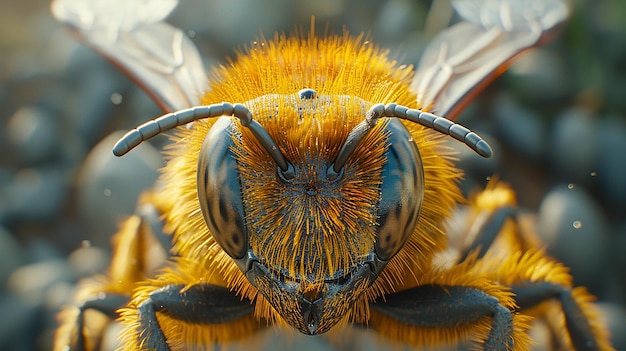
(297, 236)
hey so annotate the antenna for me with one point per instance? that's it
(427, 119)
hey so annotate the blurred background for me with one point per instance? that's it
(556, 119)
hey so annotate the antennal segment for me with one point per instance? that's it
(168, 122)
(354, 138)
(440, 124)
(242, 112)
(172, 120)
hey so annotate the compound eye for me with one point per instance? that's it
(219, 189)
(402, 192)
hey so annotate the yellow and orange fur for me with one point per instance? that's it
(333, 66)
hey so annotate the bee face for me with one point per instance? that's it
(310, 243)
(303, 208)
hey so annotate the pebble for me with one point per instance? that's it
(210, 20)
(33, 279)
(11, 255)
(28, 305)
(88, 260)
(519, 127)
(36, 194)
(617, 244)
(611, 163)
(32, 307)
(540, 75)
(91, 82)
(108, 186)
(19, 317)
(395, 17)
(38, 249)
(574, 228)
(573, 147)
(5, 180)
(33, 136)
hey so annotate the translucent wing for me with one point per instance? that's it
(132, 35)
(461, 60)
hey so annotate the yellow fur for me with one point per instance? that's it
(352, 75)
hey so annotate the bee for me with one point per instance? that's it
(308, 187)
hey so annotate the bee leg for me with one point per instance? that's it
(580, 330)
(198, 304)
(151, 217)
(106, 303)
(140, 249)
(440, 307)
(489, 232)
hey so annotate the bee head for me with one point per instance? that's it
(311, 195)
(312, 208)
